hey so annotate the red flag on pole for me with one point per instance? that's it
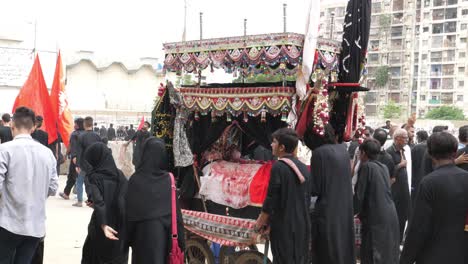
(142, 122)
(59, 102)
(34, 95)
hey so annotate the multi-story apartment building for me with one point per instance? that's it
(423, 46)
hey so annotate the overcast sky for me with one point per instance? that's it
(139, 27)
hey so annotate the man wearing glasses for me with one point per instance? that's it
(401, 186)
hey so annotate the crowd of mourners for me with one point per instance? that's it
(409, 192)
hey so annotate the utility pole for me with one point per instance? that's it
(284, 17)
(35, 38)
(201, 25)
(332, 25)
(201, 38)
(245, 27)
(184, 35)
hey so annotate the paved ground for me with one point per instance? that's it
(66, 229)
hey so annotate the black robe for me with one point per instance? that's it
(387, 160)
(422, 166)
(373, 203)
(287, 204)
(436, 233)
(400, 190)
(332, 220)
(148, 204)
(107, 188)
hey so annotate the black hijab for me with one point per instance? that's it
(149, 188)
(101, 162)
(107, 188)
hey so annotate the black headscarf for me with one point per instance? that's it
(101, 162)
(149, 188)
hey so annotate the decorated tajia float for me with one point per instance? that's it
(219, 135)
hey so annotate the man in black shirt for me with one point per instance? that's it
(437, 231)
(40, 135)
(71, 152)
(5, 130)
(386, 159)
(86, 139)
(130, 133)
(96, 128)
(400, 188)
(139, 137)
(111, 132)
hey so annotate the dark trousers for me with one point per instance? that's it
(71, 178)
(39, 254)
(16, 249)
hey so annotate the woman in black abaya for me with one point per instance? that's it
(149, 206)
(107, 187)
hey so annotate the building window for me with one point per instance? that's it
(373, 58)
(439, 2)
(450, 13)
(397, 31)
(436, 57)
(465, 12)
(374, 45)
(462, 40)
(424, 56)
(452, 2)
(438, 14)
(423, 98)
(425, 29)
(447, 98)
(461, 69)
(461, 84)
(460, 98)
(395, 97)
(463, 26)
(450, 27)
(437, 28)
(461, 55)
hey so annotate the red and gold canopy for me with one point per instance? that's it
(276, 53)
(237, 100)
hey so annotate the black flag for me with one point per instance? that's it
(355, 40)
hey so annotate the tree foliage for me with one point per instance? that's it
(381, 76)
(446, 113)
(385, 21)
(392, 110)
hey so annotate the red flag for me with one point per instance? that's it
(59, 102)
(34, 95)
(142, 122)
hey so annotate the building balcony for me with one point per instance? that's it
(434, 101)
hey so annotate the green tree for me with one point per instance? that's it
(385, 21)
(391, 110)
(446, 113)
(381, 76)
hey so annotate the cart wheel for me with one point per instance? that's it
(227, 255)
(250, 257)
(198, 252)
